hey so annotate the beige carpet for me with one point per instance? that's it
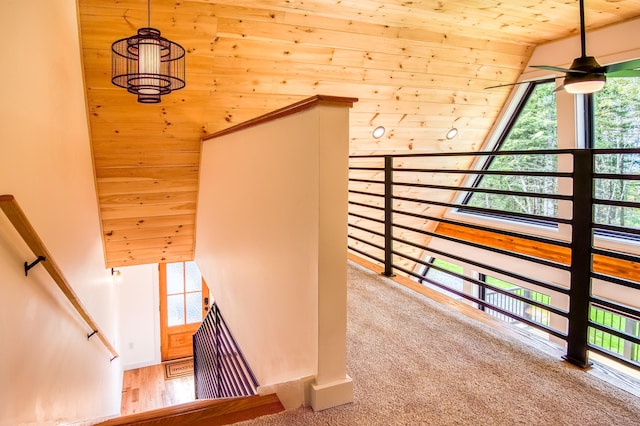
(415, 362)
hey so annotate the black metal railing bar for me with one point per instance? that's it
(487, 304)
(617, 229)
(489, 153)
(504, 232)
(580, 243)
(481, 265)
(487, 286)
(483, 210)
(484, 190)
(220, 369)
(492, 249)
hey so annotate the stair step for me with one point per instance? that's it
(210, 412)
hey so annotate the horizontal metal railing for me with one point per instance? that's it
(391, 221)
(220, 369)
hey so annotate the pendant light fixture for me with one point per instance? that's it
(147, 64)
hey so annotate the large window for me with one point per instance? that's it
(532, 127)
(617, 125)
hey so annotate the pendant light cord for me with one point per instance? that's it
(149, 13)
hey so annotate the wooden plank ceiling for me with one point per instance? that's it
(417, 67)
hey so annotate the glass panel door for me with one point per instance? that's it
(184, 300)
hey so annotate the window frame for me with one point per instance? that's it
(504, 132)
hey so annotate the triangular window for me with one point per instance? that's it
(532, 126)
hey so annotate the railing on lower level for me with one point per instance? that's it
(220, 369)
(409, 214)
(16, 216)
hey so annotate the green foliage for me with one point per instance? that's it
(534, 129)
(617, 125)
(448, 266)
(532, 312)
(543, 316)
(617, 322)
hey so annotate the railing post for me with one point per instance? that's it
(581, 243)
(388, 216)
(217, 350)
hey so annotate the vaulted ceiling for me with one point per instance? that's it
(417, 68)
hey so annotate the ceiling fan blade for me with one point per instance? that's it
(558, 69)
(628, 65)
(519, 82)
(624, 73)
(506, 85)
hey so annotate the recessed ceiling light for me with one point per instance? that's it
(378, 132)
(452, 133)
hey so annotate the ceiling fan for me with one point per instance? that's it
(586, 75)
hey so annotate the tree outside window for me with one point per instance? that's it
(617, 125)
(534, 128)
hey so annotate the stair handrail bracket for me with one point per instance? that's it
(20, 222)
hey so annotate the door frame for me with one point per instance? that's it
(180, 332)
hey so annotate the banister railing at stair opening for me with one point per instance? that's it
(391, 200)
(18, 219)
(220, 369)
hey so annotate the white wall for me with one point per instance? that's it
(51, 373)
(139, 319)
(271, 241)
(248, 227)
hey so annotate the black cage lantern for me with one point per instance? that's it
(148, 65)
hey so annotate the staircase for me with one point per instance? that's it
(210, 412)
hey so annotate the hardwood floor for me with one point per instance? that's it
(146, 389)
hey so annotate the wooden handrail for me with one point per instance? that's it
(287, 110)
(16, 216)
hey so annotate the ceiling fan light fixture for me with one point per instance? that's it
(584, 83)
(148, 65)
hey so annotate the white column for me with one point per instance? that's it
(332, 385)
